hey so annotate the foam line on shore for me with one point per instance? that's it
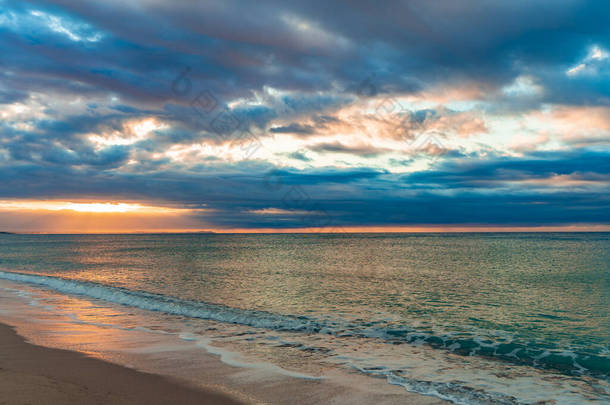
(518, 353)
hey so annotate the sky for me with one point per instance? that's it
(281, 116)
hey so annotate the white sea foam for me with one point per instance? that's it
(261, 319)
(169, 305)
(236, 360)
(455, 392)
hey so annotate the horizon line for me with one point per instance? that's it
(336, 230)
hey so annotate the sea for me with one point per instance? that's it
(467, 318)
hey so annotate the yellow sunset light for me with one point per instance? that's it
(92, 207)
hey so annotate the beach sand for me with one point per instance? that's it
(34, 375)
(47, 358)
(31, 374)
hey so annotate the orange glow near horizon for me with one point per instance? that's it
(51, 216)
(99, 217)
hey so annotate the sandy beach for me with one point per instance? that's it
(34, 375)
(46, 358)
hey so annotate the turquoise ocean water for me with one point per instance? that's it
(457, 316)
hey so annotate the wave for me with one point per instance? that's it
(567, 362)
(456, 393)
(169, 305)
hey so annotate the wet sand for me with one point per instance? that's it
(35, 375)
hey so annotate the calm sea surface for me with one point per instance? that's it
(453, 315)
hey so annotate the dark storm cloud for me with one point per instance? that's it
(61, 141)
(11, 96)
(349, 197)
(236, 47)
(582, 164)
(503, 210)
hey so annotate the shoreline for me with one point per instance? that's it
(34, 340)
(32, 374)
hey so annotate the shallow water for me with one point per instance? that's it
(473, 318)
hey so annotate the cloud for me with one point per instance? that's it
(494, 191)
(293, 128)
(235, 48)
(11, 96)
(373, 115)
(336, 147)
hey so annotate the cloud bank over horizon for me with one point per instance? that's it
(285, 115)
